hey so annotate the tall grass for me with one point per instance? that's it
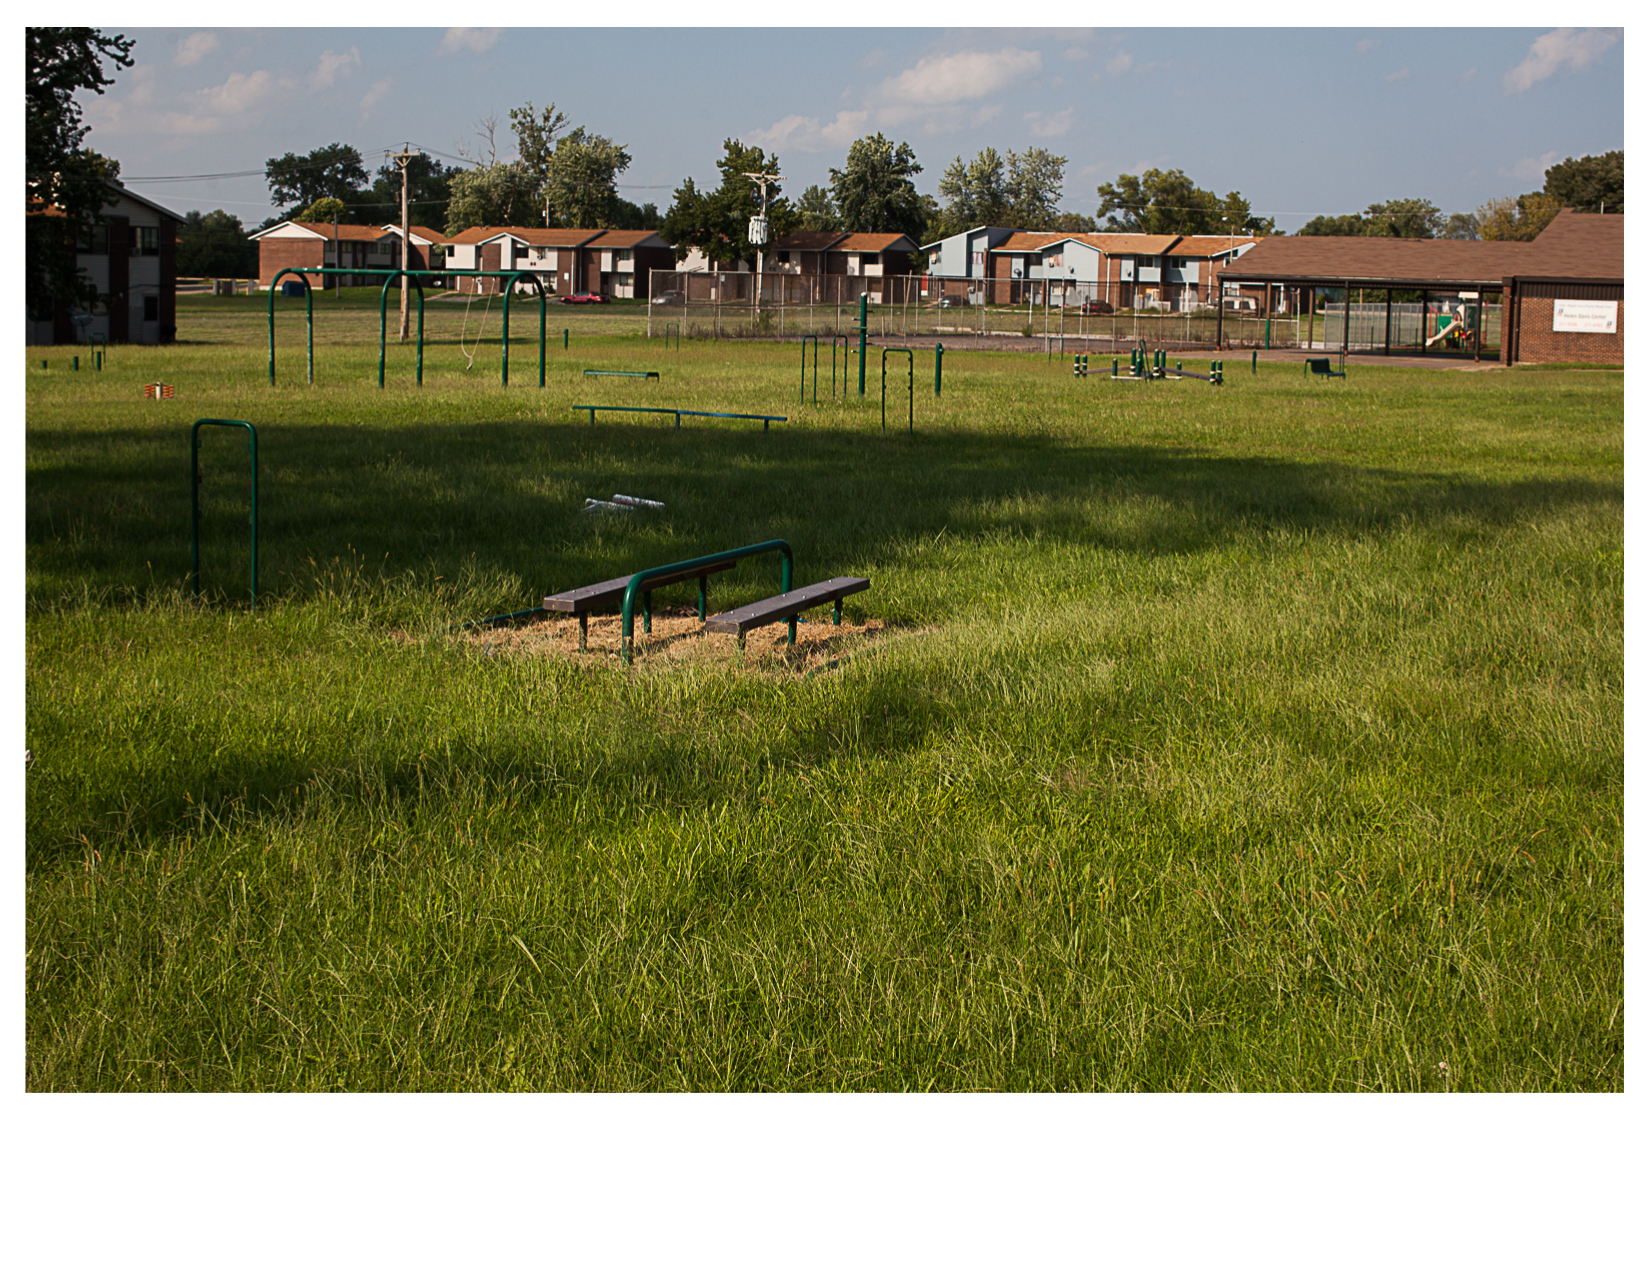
(1258, 738)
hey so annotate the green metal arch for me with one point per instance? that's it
(389, 276)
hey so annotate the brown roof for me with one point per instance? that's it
(371, 234)
(872, 243)
(1029, 241)
(622, 238)
(808, 240)
(1580, 246)
(1112, 245)
(1379, 261)
(1136, 245)
(1210, 245)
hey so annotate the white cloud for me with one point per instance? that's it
(1564, 49)
(805, 133)
(959, 77)
(470, 39)
(326, 73)
(875, 58)
(1468, 74)
(1398, 75)
(1530, 169)
(1365, 46)
(374, 94)
(1055, 125)
(226, 106)
(1121, 64)
(195, 47)
(1075, 54)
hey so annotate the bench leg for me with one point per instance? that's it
(790, 625)
(701, 599)
(739, 658)
(836, 613)
(584, 631)
(647, 613)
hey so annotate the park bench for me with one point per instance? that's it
(677, 412)
(581, 602)
(1320, 367)
(786, 606)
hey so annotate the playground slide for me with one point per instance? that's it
(1455, 328)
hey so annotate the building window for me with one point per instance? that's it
(151, 308)
(867, 259)
(95, 239)
(145, 241)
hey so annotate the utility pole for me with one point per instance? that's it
(758, 233)
(401, 159)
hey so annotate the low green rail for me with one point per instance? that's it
(678, 413)
(195, 499)
(678, 328)
(638, 582)
(596, 371)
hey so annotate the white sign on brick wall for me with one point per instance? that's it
(1584, 316)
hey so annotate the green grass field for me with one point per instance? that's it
(1262, 737)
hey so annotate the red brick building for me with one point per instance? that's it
(1568, 301)
(299, 244)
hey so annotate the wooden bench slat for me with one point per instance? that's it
(594, 595)
(785, 606)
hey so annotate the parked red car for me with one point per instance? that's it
(584, 298)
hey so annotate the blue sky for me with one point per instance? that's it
(1300, 120)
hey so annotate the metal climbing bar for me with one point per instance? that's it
(910, 386)
(639, 582)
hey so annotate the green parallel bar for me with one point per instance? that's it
(678, 413)
(627, 612)
(678, 328)
(596, 371)
(194, 500)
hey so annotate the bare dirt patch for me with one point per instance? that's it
(678, 637)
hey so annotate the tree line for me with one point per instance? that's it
(565, 175)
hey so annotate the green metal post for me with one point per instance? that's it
(939, 357)
(862, 332)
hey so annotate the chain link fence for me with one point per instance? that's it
(1058, 315)
(985, 313)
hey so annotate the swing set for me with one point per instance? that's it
(416, 278)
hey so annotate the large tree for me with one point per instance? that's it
(495, 195)
(975, 193)
(1035, 179)
(216, 245)
(1393, 219)
(1160, 202)
(717, 222)
(1593, 183)
(61, 175)
(333, 171)
(429, 186)
(873, 191)
(580, 186)
(816, 211)
(1518, 219)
